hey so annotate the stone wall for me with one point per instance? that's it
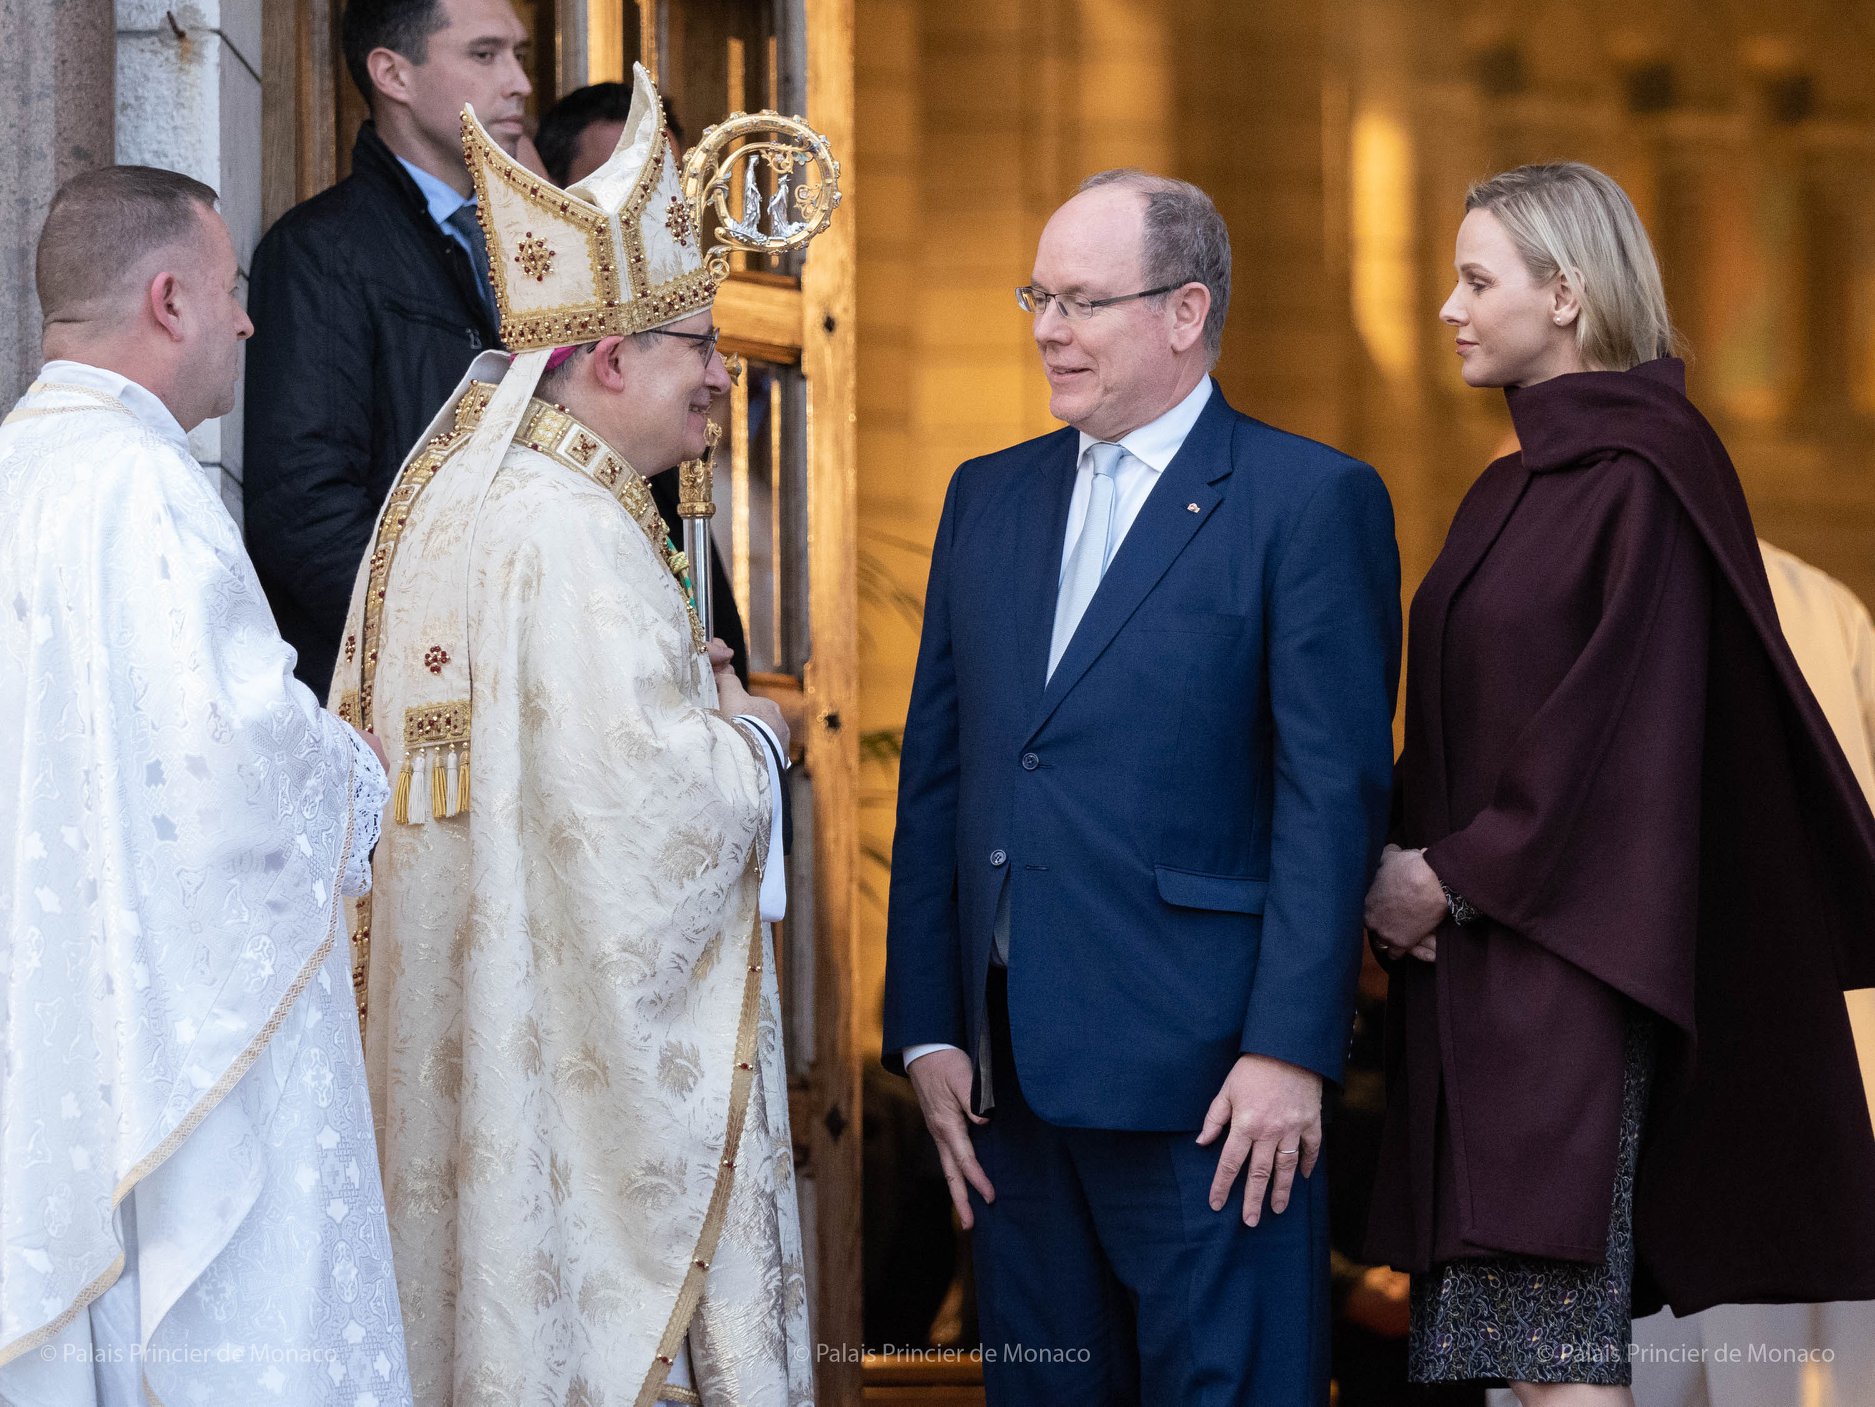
(55, 105)
(189, 99)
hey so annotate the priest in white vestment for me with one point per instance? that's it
(571, 1016)
(189, 1192)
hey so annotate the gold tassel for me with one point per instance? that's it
(400, 799)
(462, 793)
(439, 789)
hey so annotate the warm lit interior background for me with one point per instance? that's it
(1338, 139)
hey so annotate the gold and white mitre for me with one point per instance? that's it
(619, 252)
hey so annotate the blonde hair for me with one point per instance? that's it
(1565, 217)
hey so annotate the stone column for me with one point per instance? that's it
(189, 79)
(57, 87)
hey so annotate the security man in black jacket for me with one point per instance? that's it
(369, 301)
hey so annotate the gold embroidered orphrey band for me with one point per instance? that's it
(690, 1293)
(355, 707)
(552, 431)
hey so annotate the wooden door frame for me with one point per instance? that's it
(830, 359)
(300, 149)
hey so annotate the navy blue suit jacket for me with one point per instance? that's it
(1188, 813)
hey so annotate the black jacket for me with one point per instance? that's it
(365, 317)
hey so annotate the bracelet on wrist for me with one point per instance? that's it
(1460, 909)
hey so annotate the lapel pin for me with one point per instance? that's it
(1191, 508)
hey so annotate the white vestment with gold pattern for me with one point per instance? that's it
(189, 1198)
(571, 1014)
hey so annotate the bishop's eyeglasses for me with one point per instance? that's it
(1073, 306)
(705, 342)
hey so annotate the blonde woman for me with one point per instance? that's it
(1633, 872)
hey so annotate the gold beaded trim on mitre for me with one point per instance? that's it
(551, 430)
(620, 309)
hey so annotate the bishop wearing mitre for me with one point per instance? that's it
(571, 1016)
(190, 1209)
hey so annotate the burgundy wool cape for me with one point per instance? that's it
(1611, 754)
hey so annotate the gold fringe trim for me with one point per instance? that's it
(691, 1292)
(400, 799)
(231, 1077)
(436, 761)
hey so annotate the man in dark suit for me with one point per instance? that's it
(369, 302)
(1144, 783)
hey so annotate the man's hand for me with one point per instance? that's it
(941, 1080)
(1274, 1113)
(1405, 904)
(732, 698)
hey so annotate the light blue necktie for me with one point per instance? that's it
(1087, 562)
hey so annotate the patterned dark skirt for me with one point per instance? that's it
(1528, 1319)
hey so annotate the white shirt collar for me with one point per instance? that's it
(1156, 442)
(439, 197)
(139, 402)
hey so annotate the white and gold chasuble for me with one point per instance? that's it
(190, 1205)
(571, 1018)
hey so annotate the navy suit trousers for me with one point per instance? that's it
(1104, 1279)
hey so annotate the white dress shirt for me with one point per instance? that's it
(1148, 450)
